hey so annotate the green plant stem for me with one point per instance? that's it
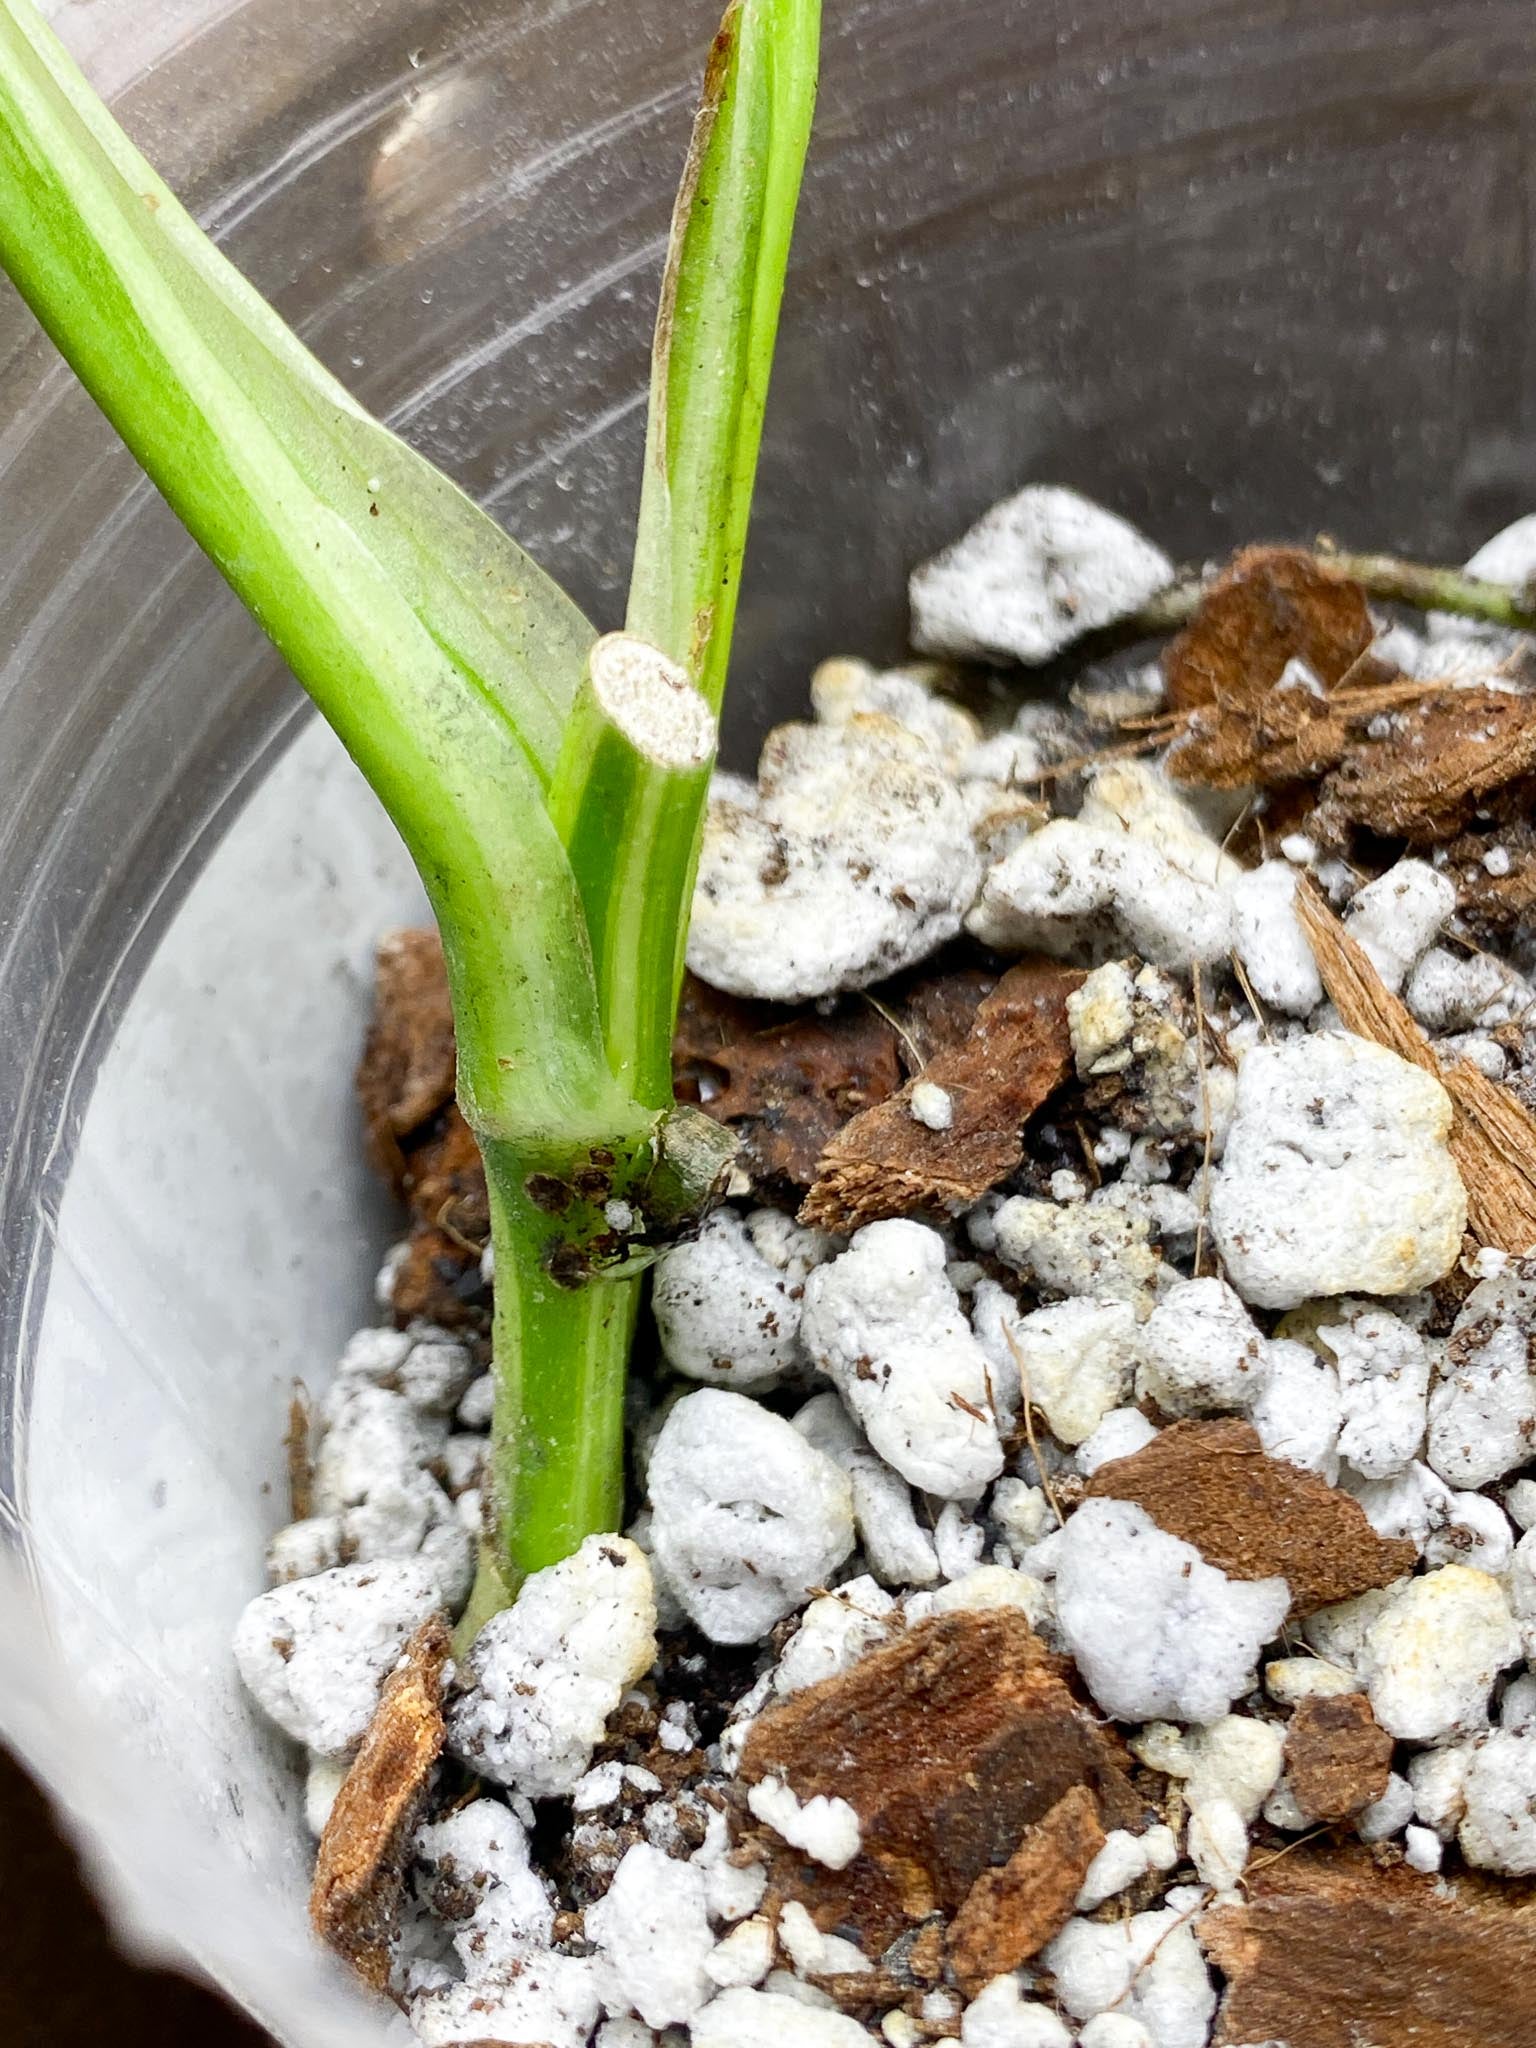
(557, 1458)
(625, 800)
(555, 836)
(716, 328)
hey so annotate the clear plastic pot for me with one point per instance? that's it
(1235, 269)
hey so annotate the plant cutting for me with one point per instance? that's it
(1123, 1282)
(549, 783)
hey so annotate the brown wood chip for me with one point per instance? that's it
(1404, 758)
(1253, 1516)
(1337, 1757)
(1426, 777)
(786, 1081)
(1332, 1952)
(444, 1179)
(1493, 1134)
(886, 1163)
(1268, 606)
(949, 1742)
(406, 1074)
(1010, 1914)
(439, 1282)
(296, 1454)
(354, 1901)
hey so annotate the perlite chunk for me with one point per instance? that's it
(1031, 576)
(1086, 894)
(1336, 1177)
(1157, 1632)
(315, 1653)
(1482, 1415)
(1078, 1357)
(1432, 1654)
(1270, 941)
(747, 1517)
(852, 859)
(727, 1304)
(544, 1675)
(1498, 1829)
(1148, 1967)
(885, 1325)
(652, 1932)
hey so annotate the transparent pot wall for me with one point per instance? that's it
(1237, 269)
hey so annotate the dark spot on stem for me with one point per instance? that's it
(548, 1193)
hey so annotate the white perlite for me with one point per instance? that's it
(1090, 895)
(323, 1779)
(1482, 1415)
(1298, 1411)
(1498, 1829)
(886, 1326)
(1115, 2030)
(1235, 1760)
(1388, 1815)
(1157, 1632)
(897, 1548)
(1422, 1850)
(1289, 1680)
(1520, 1584)
(768, 2019)
(1270, 942)
(1000, 2016)
(1457, 991)
(541, 1996)
(652, 1929)
(473, 1870)
(851, 860)
(1080, 1248)
(1324, 1126)
(1122, 1432)
(745, 1955)
(1201, 1354)
(843, 688)
(990, 1585)
(1383, 1369)
(1031, 576)
(815, 1954)
(834, 1633)
(314, 1654)
(827, 1829)
(373, 1437)
(545, 1674)
(1397, 917)
(747, 1517)
(1439, 1781)
(430, 1368)
(1124, 1859)
(1077, 1356)
(624, 2033)
(727, 1304)
(1148, 1967)
(373, 1498)
(1432, 1653)
(933, 1106)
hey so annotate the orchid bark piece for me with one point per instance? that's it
(555, 836)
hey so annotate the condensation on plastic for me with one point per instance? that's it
(1237, 267)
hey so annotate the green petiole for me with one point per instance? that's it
(551, 807)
